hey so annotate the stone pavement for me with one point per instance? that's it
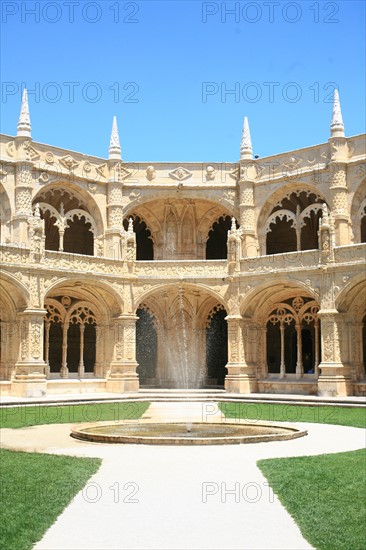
(157, 497)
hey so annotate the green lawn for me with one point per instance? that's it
(34, 490)
(324, 414)
(324, 494)
(31, 415)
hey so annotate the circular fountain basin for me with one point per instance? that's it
(180, 433)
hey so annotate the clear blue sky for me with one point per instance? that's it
(165, 69)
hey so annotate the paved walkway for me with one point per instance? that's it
(157, 497)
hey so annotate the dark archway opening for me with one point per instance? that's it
(309, 233)
(146, 347)
(144, 242)
(216, 245)
(51, 232)
(282, 237)
(90, 347)
(273, 348)
(217, 348)
(73, 347)
(78, 238)
(55, 347)
(363, 229)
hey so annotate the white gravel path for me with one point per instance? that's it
(157, 497)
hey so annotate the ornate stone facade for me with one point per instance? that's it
(113, 272)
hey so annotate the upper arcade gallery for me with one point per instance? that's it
(263, 259)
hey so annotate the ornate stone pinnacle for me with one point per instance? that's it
(114, 145)
(336, 126)
(24, 125)
(246, 151)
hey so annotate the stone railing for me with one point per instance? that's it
(350, 253)
(285, 261)
(10, 254)
(181, 268)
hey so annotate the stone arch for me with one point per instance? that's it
(14, 298)
(72, 219)
(91, 345)
(285, 329)
(180, 318)
(144, 239)
(189, 218)
(289, 219)
(358, 213)
(351, 303)
(5, 215)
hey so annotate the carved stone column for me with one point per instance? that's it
(123, 377)
(339, 190)
(248, 175)
(23, 190)
(241, 377)
(335, 376)
(30, 378)
(115, 212)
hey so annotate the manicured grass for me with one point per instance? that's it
(22, 416)
(324, 414)
(325, 495)
(34, 490)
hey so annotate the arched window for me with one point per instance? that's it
(216, 245)
(70, 337)
(293, 223)
(293, 338)
(146, 346)
(216, 346)
(144, 242)
(69, 227)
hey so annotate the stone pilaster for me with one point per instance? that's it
(115, 212)
(248, 174)
(339, 190)
(23, 190)
(335, 376)
(30, 378)
(123, 377)
(240, 377)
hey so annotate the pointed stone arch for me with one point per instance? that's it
(289, 220)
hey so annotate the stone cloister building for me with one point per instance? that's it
(248, 276)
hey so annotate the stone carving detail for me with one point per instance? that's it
(44, 178)
(24, 175)
(115, 217)
(49, 157)
(180, 174)
(69, 162)
(23, 340)
(210, 173)
(150, 173)
(30, 152)
(3, 173)
(10, 148)
(35, 339)
(23, 201)
(114, 194)
(235, 174)
(120, 173)
(101, 169)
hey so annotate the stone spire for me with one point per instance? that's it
(24, 125)
(246, 151)
(336, 126)
(114, 145)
